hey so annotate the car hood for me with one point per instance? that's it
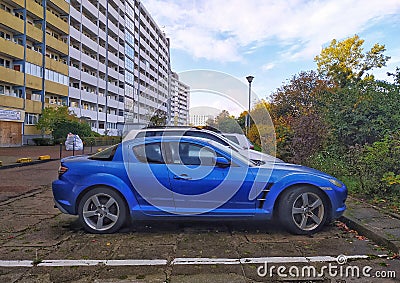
(281, 169)
(256, 155)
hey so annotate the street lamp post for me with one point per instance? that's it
(249, 79)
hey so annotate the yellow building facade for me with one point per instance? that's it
(34, 46)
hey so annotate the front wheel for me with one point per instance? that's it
(102, 210)
(303, 210)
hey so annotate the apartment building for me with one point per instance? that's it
(107, 60)
(119, 64)
(199, 115)
(180, 96)
(33, 64)
(147, 67)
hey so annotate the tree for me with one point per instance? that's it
(241, 120)
(53, 116)
(62, 128)
(211, 122)
(158, 119)
(300, 96)
(345, 61)
(296, 111)
(395, 75)
(227, 123)
(364, 112)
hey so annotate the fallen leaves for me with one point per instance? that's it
(344, 227)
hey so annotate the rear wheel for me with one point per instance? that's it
(102, 210)
(303, 210)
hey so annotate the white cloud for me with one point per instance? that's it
(225, 31)
(268, 66)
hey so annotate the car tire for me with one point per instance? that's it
(102, 211)
(303, 210)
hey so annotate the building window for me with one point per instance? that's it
(5, 63)
(31, 119)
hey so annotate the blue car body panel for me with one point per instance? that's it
(84, 173)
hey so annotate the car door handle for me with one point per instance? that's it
(182, 177)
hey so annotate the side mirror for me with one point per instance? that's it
(222, 162)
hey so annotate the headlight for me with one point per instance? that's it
(336, 183)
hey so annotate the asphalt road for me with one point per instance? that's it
(32, 229)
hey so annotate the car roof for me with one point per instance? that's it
(136, 141)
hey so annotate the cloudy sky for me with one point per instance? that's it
(271, 40)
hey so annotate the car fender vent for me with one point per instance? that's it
(263, 195)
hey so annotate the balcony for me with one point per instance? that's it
(101, 100)
(11, 76)
(90, 7)
(113, 58)
(90, 43)
(113, 12)
(89, 97)
(11, 21)
(74, 73)
(57, 66)
(113, 88)
(34, 8)
(34, 32)
(74, 33)
(33, 106)
(112, 73)
(112, 103)
(10, 101)
(12, 49)
(56, 88)
(88, 78)
(75, 14)
(74, 92)
(88, 113)
(89, 60)
(113, 27)
(89, 24)
(113, 43)
(57, 22)
(33, 82)
(62, 4)
(21, 3)
(75, 53)
(34, 57)
(57, 44)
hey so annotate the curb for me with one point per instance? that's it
(370, 233)
(26, 164)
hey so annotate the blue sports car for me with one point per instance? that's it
(192, 178)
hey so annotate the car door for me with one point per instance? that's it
(200, 186)
(150, 179)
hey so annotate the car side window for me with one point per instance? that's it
(204, 135)
(193, 154)
(149, 153)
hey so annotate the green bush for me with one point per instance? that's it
(42, 141)
(62, 129)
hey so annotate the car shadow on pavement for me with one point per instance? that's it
(271, 227)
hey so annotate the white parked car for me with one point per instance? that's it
(251, 154)
(239, 139)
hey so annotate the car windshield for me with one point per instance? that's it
(232, 138)
(106, 154)
(233, 152)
